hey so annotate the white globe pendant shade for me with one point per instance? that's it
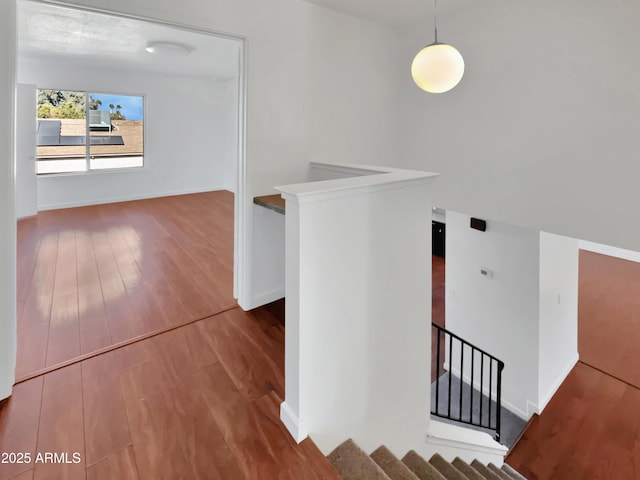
(437, 68)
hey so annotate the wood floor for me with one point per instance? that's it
(200, 401)
(437, 313)
(437, 290)
(591, 427)
(95, 276)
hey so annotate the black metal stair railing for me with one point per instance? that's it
(468, 382)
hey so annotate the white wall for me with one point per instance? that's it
(190, 135)
(558, 312)
(542, 130)
(7, 204)
(269, 246)
(498, 314)
(26, 182)
(226, 128)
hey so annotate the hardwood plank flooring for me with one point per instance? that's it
(254, 369)
(19, 421)
(198, 402)
(28, 475)
(588, 430)
(91, 277)
(106, 425)
(61, 424)
(121, 466)
(437, 289)
(591, 427)
(64, 329)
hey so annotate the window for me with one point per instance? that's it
(114, 123)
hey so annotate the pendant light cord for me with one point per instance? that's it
(435, 20)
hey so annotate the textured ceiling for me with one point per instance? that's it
(102, 41)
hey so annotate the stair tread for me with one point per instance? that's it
(468, 471)
(420, 467)
(515, 475)
(500, 473)
(353, 463)
(392, 466)
(447, 469)
(485, 471)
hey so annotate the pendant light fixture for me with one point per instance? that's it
(438, 67)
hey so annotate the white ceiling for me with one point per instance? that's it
(97, 40)
(393, 13)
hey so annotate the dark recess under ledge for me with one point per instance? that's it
(273, 202)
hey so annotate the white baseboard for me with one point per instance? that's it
(556, 385)
(127, 198)
(264, 298)
(516, 411)
(296, 427)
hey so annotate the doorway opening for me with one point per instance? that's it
(160, 243)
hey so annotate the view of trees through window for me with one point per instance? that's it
(114, 125)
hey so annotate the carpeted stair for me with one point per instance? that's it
(353, 463)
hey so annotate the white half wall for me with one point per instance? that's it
(558, 313)
(358, 295)
(190, 129)
(498, 314)
(542, 130)
(7, 201)
(26, 179)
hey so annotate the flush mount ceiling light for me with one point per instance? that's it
(169, 48)
(438, 67)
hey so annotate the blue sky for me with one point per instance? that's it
(131, 106)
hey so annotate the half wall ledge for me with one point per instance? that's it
(350, 179)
